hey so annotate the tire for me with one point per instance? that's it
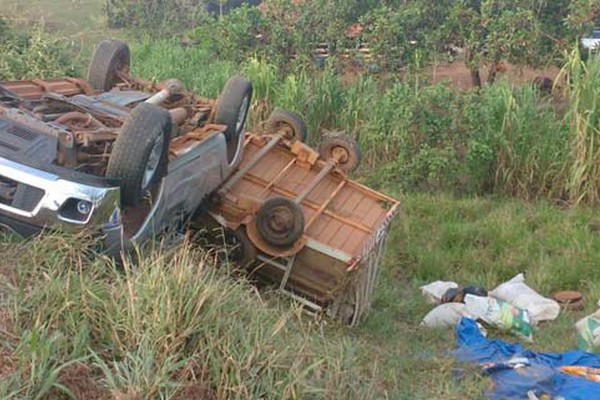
(232, 110)
(139, 155)
(340, 145)
(291, 124)
(280, 222)
(111, 58)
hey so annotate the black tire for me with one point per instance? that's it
(111, 58)
(280, 222)
(139, 155)
(291, 124)
(232, 110)
(342, 145)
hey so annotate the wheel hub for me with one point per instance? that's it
(280, 220)
(288, 131)
(340, 154)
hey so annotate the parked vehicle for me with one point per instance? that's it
(592, 43)
(293, 217)
(116, 153)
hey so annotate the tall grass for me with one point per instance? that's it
(165, 328)
(516, 141)
(517, 144)
(583, 117)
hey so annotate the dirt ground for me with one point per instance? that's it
(458, 74)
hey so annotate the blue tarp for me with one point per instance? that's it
(541, 377)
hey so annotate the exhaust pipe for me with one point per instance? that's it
(171, 88)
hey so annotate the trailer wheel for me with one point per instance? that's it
(280, 222)
(342, 147)
(232, 110)
(289, 123)
(139, 155)
(111, 59)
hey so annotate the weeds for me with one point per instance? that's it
(31, 56)
(583, 118)
(157, 329)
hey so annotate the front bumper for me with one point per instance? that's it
(58, 202)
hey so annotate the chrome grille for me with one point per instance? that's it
(19, 195)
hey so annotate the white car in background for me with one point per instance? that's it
(592, 43)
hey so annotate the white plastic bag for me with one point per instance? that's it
(588, 332)
(500, 314)
(445, 315)
(434, 291)
(517, 293)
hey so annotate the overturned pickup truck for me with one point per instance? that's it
(134, 159)
(115, 153)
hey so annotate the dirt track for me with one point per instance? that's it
(459, 75)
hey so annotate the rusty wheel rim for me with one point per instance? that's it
(280, 220)
(341, 154)
(287, 131)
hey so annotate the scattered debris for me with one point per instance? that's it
(445, 315)
(436, 290)
(512, 306)
(592, 374)
(588, 332)
(500, 314)
(458, 295)
(517, 293)
(569, 300)
(519, 373)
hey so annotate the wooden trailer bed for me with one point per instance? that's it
(333, 266)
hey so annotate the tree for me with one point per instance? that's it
(403, 34)
(583, 16)
(493, 31)
(490, 32)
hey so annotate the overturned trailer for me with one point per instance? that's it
(298, 220)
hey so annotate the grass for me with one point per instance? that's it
(172, 327)
(175, 324)
(481, 241)
(66, 17)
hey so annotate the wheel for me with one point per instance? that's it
(280, 222)
(342, 147)
(289, 123)
(112, 57)
(232, 110)
(139, 155)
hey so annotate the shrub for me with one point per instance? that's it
(154, 17)
(34, 55)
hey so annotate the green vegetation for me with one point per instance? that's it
(74, 325)
(28, 56)
(501, 139)
(175, 327)
(79, 19)
(170, 327)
